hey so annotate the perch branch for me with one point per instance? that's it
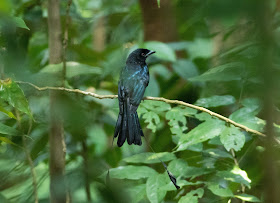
(177, 102)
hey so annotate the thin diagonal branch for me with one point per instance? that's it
(177, 102)
(28, 157)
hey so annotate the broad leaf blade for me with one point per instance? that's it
(11, 93)
(150, 157)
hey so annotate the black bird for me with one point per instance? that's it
(133, 81)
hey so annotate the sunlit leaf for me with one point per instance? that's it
(247, 198)
(150, 157)
(232, 138)
(6, 140)
(235, 175)
(8, 113)
(215, 101)
(158, 3)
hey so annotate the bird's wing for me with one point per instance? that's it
(133, 84)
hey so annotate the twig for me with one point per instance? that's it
(28, 157)
(65, 41)
(177, 102)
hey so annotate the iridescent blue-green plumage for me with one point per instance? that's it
(133, 81)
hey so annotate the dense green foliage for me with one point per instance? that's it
(213, 64)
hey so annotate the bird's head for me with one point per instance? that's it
(139, 56)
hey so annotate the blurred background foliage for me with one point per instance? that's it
(208, 54)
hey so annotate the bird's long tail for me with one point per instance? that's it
(128, 126)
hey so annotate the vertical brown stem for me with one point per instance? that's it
(99, 35)
(58, 192)
(55, 33)
(87, 182)
(65, 41)
(271, 171)
(28, 157)
(159, 23)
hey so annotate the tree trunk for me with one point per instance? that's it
(57, 146)
(269, 92)
(159, 23)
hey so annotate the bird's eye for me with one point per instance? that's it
(143, 54)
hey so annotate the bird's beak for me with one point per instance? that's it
(150, 53)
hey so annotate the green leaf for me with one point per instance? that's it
(185, 68)
(11, 93)
(235, 175)
(19, 23)
(163, 51)
(8, 113)
(247, 115)
(201, 133)
(193, 172)
(72, 69)
(220, 191)
(7, 130)
(153, 88)
(192, 196)
(153, 119)
(137, 192)
(200, 48)
(150, 157)
(232, 138)
(3, 199)
(177, 167)
(153, 188)
(8, 141)
(98, 138)
(156, 105)
(215, 101)
(247, 198)
(217, 153)
(158, 3)
(177, 121)
(226, 72)
(160, 70)
(237, 49)
(131, 172)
